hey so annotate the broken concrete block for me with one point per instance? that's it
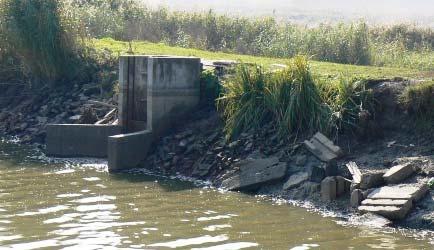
(295, 180)
(398, 173)
(403, 191)
(328, 189)
(355, 172)
(255, 172)
(356, 198)
(323, 148)
(371, 179)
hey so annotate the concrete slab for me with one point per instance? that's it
(323, 148)
(386, 202)
(255, 172)
(79, 140)
(409, 191)
(390, 212)
(398, 173)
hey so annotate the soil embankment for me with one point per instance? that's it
(198, 148)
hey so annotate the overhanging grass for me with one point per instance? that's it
(324, 69)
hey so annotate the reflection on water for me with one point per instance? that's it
(72, 205)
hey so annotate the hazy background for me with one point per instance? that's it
(420, 12)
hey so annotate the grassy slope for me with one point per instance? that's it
(322, 68)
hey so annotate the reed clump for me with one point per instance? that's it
(42, 35)
(292, 99)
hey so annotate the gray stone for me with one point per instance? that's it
(255, 172)
(371, 179)
(323, 148)
(356, 198)
(328, 189)
(398, 173)
(295, 180)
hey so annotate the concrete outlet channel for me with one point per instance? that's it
(155, 93)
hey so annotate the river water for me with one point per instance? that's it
(79, 205)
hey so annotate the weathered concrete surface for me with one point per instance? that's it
(390, 212)
(157, 90)
(255, 172)
(323, 148)
(398, 173)
(409, 191)
(356, 198)
(328, 189)
(75, 140)
(296, 180)
(128, 150)
(393, 202)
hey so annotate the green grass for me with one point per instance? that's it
(324, 69)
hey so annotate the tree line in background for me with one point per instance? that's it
(47, 37)
(354, 43)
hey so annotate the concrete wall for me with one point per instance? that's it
(173, 90)
(69, 140)
(172, 86)
(128, 150)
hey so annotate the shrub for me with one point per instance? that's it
(38, 34)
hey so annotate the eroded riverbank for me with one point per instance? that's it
(80, 204)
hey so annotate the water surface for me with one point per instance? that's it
(70, 205)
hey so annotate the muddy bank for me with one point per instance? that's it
(198, 148)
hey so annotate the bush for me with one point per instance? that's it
(41, 34)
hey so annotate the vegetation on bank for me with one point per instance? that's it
(292, 99)
(418, 100)
(356, 43)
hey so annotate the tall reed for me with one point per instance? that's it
(44, 42)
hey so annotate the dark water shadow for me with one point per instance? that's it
(166, 183)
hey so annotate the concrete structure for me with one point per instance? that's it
(71, 140)
(398, 173)
(393, 202)
(155, 93)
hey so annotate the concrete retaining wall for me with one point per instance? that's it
(73, 140)
(128, 150)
